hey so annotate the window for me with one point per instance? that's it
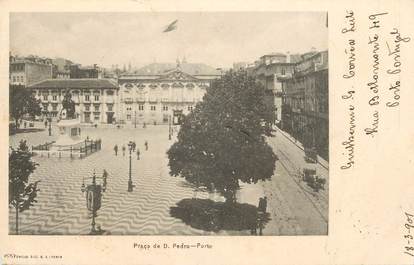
(128, 117)
(14, 79)
(190, 108)
(283, 71)
(165, 108)
(87, 108)
(54, 97)
(153, 107)
(96, 118)
(45, 97)
(96, 97)
(86, 97)
(96, 107)
(140, 107)
(73, 131)
(129, 108)
(110, 107)
(54, 107)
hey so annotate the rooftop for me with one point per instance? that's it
(75, 83)
(189, 68)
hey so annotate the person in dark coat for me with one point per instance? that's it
(138, 153)
(134, 145)
(264, 204)
(261, 202)
(116, 149)
(123, 150)
(146, 145)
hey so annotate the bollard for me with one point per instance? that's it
(70, 151)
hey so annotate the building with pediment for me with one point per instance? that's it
(154, 92)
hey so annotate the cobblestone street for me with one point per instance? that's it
(61, 207)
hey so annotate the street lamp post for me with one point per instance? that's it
(50, 123)
(130, 185)
(135, 119)
(169, 127)
(94, 197)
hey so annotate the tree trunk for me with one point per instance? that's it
(17, 218)
(16, 122)
(230, 195)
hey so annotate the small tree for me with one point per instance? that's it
(222, 141)
(22, 194)
(22, 102)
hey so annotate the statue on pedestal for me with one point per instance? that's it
(69, 125)
(69, 106)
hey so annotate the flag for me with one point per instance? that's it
(172, 26)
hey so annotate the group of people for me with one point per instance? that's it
(134, 149)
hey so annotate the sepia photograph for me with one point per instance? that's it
(168, 123)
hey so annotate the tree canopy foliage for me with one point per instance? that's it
(22, 194)
(22, 102)
(222, 141)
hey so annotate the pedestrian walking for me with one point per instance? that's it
(104, 177)
(123, 150)
(134, 145)
(146, 145)
(45, 123)
(116, 149)
(260, 206)
(138, 153)
(264, 204)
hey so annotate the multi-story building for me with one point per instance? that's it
(305, 102)
(62, 69)
(95, 99)
(77, 71)
(25, 71)
(157, 90)
(268, 69)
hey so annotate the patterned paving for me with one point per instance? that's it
(61, 207)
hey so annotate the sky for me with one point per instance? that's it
(216, 39)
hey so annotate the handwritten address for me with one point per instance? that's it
(383, 48)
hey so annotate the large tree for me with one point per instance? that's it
(22, 194)
(22, 103)
(222, 141)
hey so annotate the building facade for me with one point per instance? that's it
(77, 71)
(96, 99)
(27, 72)
(153, 94)
(305, 111)
(268, 70)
